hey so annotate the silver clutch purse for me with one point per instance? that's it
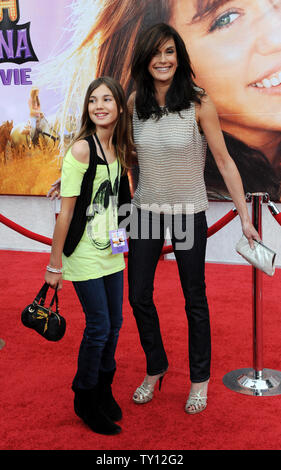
(260, 256)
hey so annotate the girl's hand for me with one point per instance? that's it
(250, 232)
(54, 280)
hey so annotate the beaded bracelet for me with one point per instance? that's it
(53, 270)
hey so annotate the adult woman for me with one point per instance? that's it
(235, 50)
(168, 110)
(90, 184)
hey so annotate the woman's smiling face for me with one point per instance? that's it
(235, 50)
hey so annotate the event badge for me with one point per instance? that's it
(118, 241)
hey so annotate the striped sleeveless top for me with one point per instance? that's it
(171, 155)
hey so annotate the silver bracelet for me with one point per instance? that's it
(53, 270)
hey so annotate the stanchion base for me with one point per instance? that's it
(250, 382)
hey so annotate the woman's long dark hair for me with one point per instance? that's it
(182, 90)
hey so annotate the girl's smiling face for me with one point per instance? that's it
(235, 51)
(102, 107)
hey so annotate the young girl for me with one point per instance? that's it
(90, 185)
(172, 122)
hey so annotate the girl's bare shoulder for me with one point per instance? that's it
(80, 151)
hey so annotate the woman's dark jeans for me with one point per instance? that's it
(102, 301)
(144, 254)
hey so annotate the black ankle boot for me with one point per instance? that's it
(87, 407)
(107, 400)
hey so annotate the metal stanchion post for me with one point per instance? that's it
(257, 380)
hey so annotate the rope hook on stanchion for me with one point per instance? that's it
(256, 381)
(273, 209)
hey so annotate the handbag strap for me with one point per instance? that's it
(55, 299)
(41, 297)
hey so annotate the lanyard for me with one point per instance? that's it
(107, 166)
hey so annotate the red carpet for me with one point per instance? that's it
(37, 402)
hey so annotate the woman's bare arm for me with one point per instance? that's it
(209, 122)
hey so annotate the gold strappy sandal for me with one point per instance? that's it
(195, 403)
(197, 400)
(144, 393)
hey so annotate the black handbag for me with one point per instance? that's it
(49, 324)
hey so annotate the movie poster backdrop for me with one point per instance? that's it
(51, 50)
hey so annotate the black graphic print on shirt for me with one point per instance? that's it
(102, 215)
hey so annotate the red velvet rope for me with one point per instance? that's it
(166, 249)
(277, 217)
(274, 212)
(24, 231)
(211, 230)
(222, 222)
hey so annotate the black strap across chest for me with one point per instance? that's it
(79, 219)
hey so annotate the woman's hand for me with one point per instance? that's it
(54, 191)
(54, 280)
(250, 232)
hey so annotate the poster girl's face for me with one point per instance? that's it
(235, 51)
(102, 108)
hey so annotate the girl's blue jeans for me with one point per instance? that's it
(102, 301)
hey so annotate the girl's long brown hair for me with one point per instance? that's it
(122, 137)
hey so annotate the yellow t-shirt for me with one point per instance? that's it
(92, 258)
